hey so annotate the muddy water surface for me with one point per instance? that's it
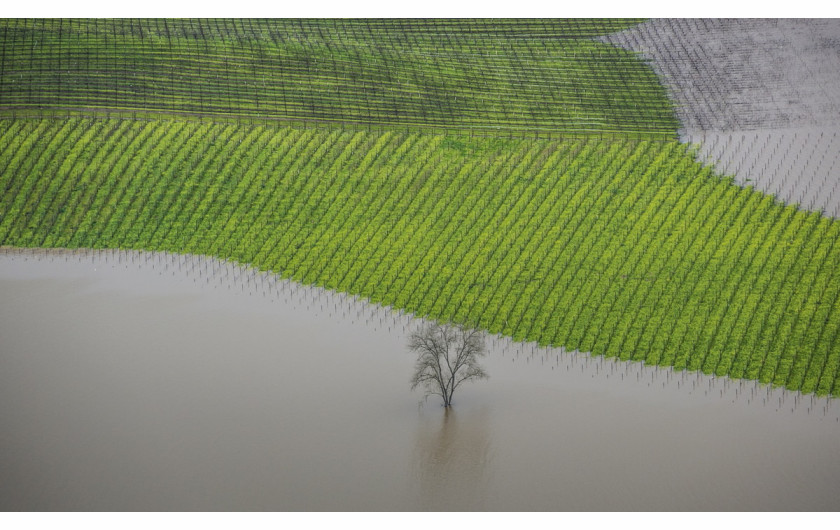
(759, 97)
(150, 382)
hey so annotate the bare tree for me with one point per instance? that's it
(446, 357)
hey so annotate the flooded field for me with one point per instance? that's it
(759, 97)
(799, 166)
(134, 381)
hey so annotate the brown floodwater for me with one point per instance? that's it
(159, 382)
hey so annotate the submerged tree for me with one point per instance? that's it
(446, 357)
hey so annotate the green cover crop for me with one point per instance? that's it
(515, 76)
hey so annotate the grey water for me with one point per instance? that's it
(760, 98)
(135, 381)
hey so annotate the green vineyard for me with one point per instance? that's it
(517, 175)
(537, 77)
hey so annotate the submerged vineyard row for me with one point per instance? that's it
(519, 77)
(624, 248)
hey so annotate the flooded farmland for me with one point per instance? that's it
(759, 98)
(136, 381)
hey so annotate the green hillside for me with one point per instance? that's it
(517, 76)
(549, 203)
